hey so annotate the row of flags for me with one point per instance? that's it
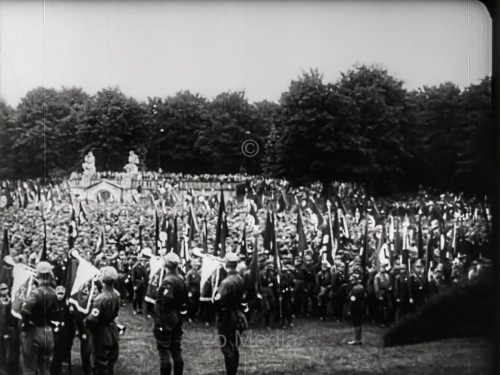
(81, 273)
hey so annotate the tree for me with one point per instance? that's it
(319, 141)
(474, 159)
(382, 115)
(115, 125)
(439, 114)
(45, 124)
(176, 124)
(231, 117)
(6, 139)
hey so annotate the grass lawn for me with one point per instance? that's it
(311, 347)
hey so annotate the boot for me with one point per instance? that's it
(357, 337)
(178, 367)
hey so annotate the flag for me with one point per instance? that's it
(82, 214)
(252, 218)
(174, 239)
(301, 236)
(365, 254)
(222, 231)
(316, 216)
(43, 256)
(4, 272)
(343, 228)
(382, 253)
(276, 251)
(157, 232)
(84, 289)
(6, 198)
(328, 239)
(141, 242)
(254, 276)
(70, 275)
(268, 234)
(193, 225)
(204, 235)
(420, 241)
(101, 242)
(209, 277)
(73, 230)
(282, 202)
(156, 274)
(243, 243)
(23, 283)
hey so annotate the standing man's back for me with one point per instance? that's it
(37, 313)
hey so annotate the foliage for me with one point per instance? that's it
(365, 128)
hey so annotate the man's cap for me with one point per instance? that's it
(231, 259)
(172, 259)
(4, 286)
(196, 262)
(269, 262)
(44, 268)
(146, 253)
(419, 263)
(60, 289)
(109, 274)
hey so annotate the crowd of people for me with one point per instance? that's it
(363, 260)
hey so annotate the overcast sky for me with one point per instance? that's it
(159, 48)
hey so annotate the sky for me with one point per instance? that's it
(158, 48)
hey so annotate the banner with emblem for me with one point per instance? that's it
(209, 267)
(155, 279)
(23, 283)
(84, 289)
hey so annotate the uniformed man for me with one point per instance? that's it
(61, 333)
(101, 324)
(324, 285)
(418, 285)
(9, 335)
(357, 297)
(139, 279)
(437, 283)
(402, 292)
(268, 284)
(339, 288)
(383, 291)
(231, 320)
(298, 289)
(170, 307)
(309, 287)
(287, 284)
(121, 264)
(193, 280)
(37, 313)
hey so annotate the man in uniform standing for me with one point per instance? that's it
(9, 335)
(37, 313)
(231, 320)
(324, 283)
(139, 277)
(383, 291)
(401, 292)
(62, 346)
(101, 324)
(193, 279)
(169, 308)
(418, 286)
(339, 288)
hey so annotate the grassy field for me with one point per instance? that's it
(311, 347)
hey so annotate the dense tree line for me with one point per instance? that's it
(365, 127)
